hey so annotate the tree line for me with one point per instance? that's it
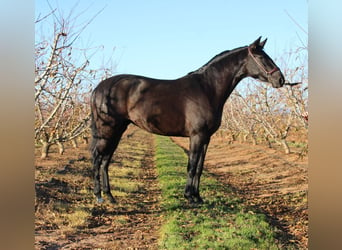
(64, 79)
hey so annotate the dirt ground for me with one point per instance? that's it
(64, 184)
(269, 181)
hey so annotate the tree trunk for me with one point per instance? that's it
(60, 147)
(85, 139)
(269, 142)
(254, 139)
(245, 137)
(234, 137)
(45, 150)
(74, 143)
(285, 146)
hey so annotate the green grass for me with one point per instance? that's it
(222, 222)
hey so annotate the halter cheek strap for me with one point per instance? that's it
(270, 72)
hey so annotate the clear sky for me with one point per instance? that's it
(167, 39)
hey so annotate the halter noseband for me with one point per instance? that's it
(260, 65)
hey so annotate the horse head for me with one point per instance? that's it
(261, 66)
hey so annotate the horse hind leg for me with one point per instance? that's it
(102, 151)
(102, 154)
(105, 178)
(97, 160)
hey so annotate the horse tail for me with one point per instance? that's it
(94, 132)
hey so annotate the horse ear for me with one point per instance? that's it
(255, 44)
(262, 44)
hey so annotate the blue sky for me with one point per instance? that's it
(168, 39)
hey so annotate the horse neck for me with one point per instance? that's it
(223, 77)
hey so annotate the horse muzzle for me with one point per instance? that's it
(277, 82)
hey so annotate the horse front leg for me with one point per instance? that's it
(198, 146)
(189, 188)
(196, 180)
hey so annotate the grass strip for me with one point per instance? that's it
(222, 222)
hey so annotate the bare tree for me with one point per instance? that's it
(63, 82)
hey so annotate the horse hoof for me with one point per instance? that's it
(111, 198)
(113, 201)
(199, 200)
(100, 200)
(195, 201)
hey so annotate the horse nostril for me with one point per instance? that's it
(279, 83)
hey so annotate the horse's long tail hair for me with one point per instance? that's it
(94, 133)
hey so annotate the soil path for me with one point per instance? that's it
(62, 190)
(267, 180)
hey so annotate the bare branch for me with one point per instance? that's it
(46, 16)
(294, 20)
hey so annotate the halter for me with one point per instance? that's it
(260, 65)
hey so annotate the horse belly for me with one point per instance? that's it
(159, 120)
(156, 107)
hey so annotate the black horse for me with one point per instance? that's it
(190, 106)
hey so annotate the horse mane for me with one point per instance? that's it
(219, 57)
